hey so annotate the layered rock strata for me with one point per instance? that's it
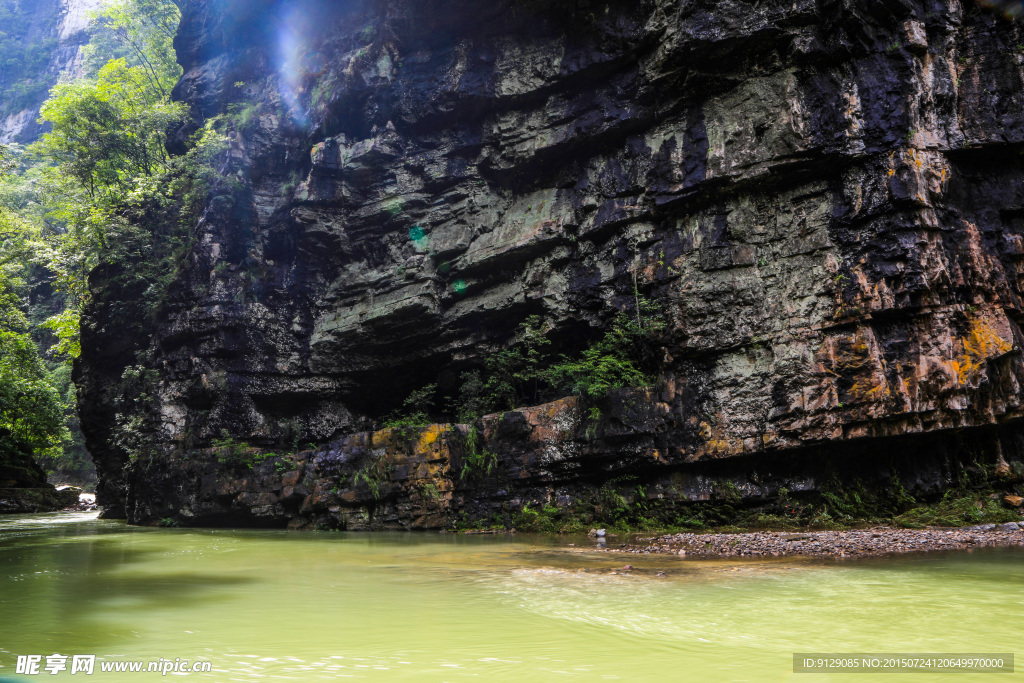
(824, 198)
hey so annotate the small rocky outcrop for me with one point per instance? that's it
(23, 485)
(824, 198)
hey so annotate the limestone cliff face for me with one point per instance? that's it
(826, 198)
(62, 24)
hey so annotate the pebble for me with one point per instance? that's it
(853, 543)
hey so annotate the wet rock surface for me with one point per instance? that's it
(825, 200)
(854, 543)
(543, 459)
(23, 485)
(26, 500)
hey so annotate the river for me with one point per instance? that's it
(274, 605)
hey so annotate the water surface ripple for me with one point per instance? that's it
(271, 605)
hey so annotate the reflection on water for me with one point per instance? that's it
(433, 607)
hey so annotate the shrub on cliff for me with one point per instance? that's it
(511, 377)
(525, 373)
(415, 410)
(616, 360)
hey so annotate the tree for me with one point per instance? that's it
(110, 131)
(142, 33)
(31, 409)
(68, 203)
(105, 158)
(99, 188)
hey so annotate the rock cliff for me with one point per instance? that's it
(48, 36)
(825, 198)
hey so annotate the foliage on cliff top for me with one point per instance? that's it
(140, 32)
(101, 182)
(109, 131)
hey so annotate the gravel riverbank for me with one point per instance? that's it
(854, 543)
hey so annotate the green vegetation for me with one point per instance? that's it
(98, 190)
(232, 452)
(477, 460)
(512, 377)
(429, 492)
(133, 399)
(956, 510)
(619, 505)
(140, 32)
(109, 133)
(374, 474)
(31, 408)
(324, 90)
(415, 411)
(611, 363)
(37, 399)
(623, 507)
(526, 373)
(242, 117)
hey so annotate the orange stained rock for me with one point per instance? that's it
(718, 448)
(429, 436)
(870, 390)
(982, 343)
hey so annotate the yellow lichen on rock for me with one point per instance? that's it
(982, 343)
(429, 436)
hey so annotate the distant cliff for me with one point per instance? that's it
(42, 41)
(824, 199)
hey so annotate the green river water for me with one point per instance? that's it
(273, 605)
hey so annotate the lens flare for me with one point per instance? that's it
(296, 60)
(314, 64)
(1011, 9)
(419, 238)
